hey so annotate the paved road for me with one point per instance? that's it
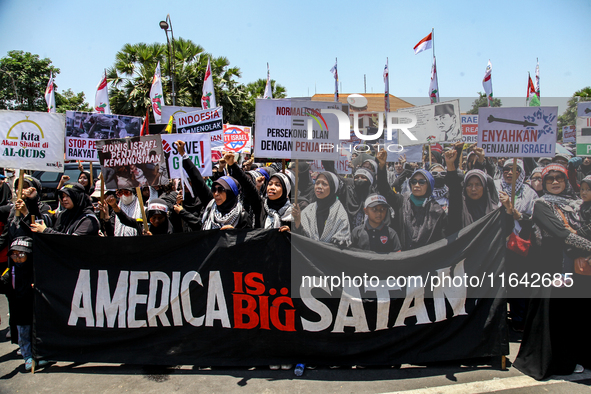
(442, 378)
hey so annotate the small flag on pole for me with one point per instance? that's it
(537, 86)
(101, 99)
(169, 125)
(487, 84)
(208, 96)
(424, 44)
(146, 125)
(386, 87)
(532, 98)
(268, 91)
(335, 72)
(156, 95)
(50, 94)
(434, 86)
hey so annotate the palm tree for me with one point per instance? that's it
(257, 89)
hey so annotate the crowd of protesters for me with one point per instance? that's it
(381, 207)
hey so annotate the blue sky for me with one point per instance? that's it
(300, 40)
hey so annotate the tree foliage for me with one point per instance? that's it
(257, 89)
(482, 101)
(131, 78)
(70, 101)
(569, 117)
(23, 79)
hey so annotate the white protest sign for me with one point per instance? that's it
(208, 121)
(584, 109)
(569, 134)
(281, 130)
(197, 146)
(237, 139)
(583, 136)
(83, 129)
(343, 165)
(469, 129)
(517, 131)
(438, 122)
(32, 140)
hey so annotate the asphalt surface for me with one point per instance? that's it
(480, 376)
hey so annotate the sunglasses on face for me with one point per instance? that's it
(123, 192)
(217, 189)
(439, 173)
(557, 178)
(509, 169)
(421, 182)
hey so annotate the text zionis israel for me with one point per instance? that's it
(173, 298)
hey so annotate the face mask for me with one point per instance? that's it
(439, 182)
(126, 200)
(9, 174)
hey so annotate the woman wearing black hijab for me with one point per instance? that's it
(84, 180)
(324, 220)
(225, 211)
(77, 218)
(357, 193)
(551, 344)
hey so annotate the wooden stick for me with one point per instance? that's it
(503, 363)
(91, 180)
(20, 188)
(138, 190)
(283, 166)
(102, 214)
(513, 179)
(430, 159)
(297, 176)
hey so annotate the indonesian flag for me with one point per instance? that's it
(268, 92)
(156, 95)
(335, 72)
(434, 86)
(146, 125)
(424, 44)
(487, 83)
(531, 91)
(208, 97)
(386, 88)
(101, 99)
(50, 94)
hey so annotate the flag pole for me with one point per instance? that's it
(433, 40)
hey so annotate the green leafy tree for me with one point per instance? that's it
(70, 101)
(131, 80)
(569, 117)
(23, 79)
(482, 101)
(257, 89)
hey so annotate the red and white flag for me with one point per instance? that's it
(386, 88)
(208, 96)
(335, 72)
(101, 99)
(434, 86)
(50, 94)
(424, 44)
(532, 97)
(268, 91)
(537, 86)
(156, 95)
(487, 83)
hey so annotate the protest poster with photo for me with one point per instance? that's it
(518, 131)
(197, 146)
(281, 129)
(342, 165)
(583, 135)
(175, 111)
(32, 140)
(132, 162)
(569, 134)
(84, 129)
(208, 121)
(584, 108)
(237, 139)
(438, 122)
(469, 129)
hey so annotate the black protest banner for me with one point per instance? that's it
(131, 162)
(227, 298)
